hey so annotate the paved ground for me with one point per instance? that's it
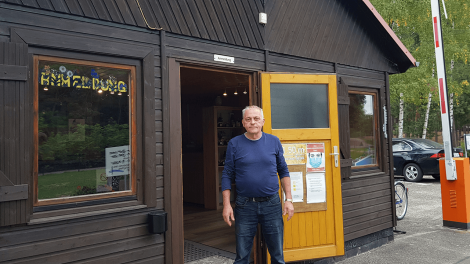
(425, 241)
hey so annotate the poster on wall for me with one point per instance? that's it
(295, 153)
(117, 161)
(316, 188)
(297, 186)
(315, 157)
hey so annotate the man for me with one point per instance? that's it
(253, 161)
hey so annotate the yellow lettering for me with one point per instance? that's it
(122, 86)
(55, 80)
(65, 81)
(44, 78)
(103, 86)
(96, 83)
(76, 83)
(85, 84)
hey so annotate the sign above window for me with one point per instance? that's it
(83, 77)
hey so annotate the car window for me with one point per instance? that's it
(427, 144)
(401, 146)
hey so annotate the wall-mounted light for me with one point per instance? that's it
(46, 89)
(119, 93)
(225, 93)
(100, 91)
(235, 93)
(245, 92)
(112, 92)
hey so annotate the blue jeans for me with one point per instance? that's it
(269, 215)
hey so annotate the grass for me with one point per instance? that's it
(358, 152)
(64, 184)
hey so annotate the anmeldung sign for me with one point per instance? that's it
(224, 58)
(117, 161)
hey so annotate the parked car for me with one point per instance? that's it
(415, 157)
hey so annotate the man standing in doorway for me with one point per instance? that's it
(253, 161)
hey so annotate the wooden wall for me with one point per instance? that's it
(366, 210)
(116, 238)
(367, 199)
(343, 31)
(100, 232)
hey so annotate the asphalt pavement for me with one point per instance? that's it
(426, 239)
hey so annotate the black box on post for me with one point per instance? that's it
(157, 222)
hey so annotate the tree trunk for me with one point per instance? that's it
(400, 117)
(426, 118)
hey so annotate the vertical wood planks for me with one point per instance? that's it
(13, 149)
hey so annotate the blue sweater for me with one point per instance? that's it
(254, 165)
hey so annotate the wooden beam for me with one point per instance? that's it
(13, 193)
(13, 72)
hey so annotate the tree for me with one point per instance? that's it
(412, 22)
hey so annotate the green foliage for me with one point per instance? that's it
(412, 22)
(85, 190)
(87, 142)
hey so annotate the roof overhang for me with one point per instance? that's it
(390, 32)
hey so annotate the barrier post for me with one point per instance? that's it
(456, 195)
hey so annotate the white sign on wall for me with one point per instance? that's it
(224, 58)
(117, 161)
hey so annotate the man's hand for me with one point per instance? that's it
(227, 213)
(288, 209)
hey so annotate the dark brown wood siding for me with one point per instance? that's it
(367, 198)
(15, 135)
(342, 31)
(100, 233)
(227, 21)
(120, 238)
(367, 193)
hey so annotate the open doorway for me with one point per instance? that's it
(211, 104)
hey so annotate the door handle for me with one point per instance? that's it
(336, 154)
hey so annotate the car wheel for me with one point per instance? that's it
(436, 176)
(412, 172)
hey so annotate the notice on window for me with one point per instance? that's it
(467, 141)
(315, 157)
(117, 161)
(295, 153)
(297, 187)
(316, 188)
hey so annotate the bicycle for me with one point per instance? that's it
(401, 200)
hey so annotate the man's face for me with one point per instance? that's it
(252, 121)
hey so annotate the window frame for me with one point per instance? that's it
(133, 97)
(377, 131)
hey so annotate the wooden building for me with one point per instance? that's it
(111, 110)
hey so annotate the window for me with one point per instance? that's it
(363, 129)
(85, 129)
(298, 105)
(401, 146)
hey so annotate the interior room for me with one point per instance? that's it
(211, 104)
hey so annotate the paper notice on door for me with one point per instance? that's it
(316, 188)
(297, 186)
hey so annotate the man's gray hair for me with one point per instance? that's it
(253, 107)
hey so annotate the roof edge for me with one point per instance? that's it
(390, 32)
